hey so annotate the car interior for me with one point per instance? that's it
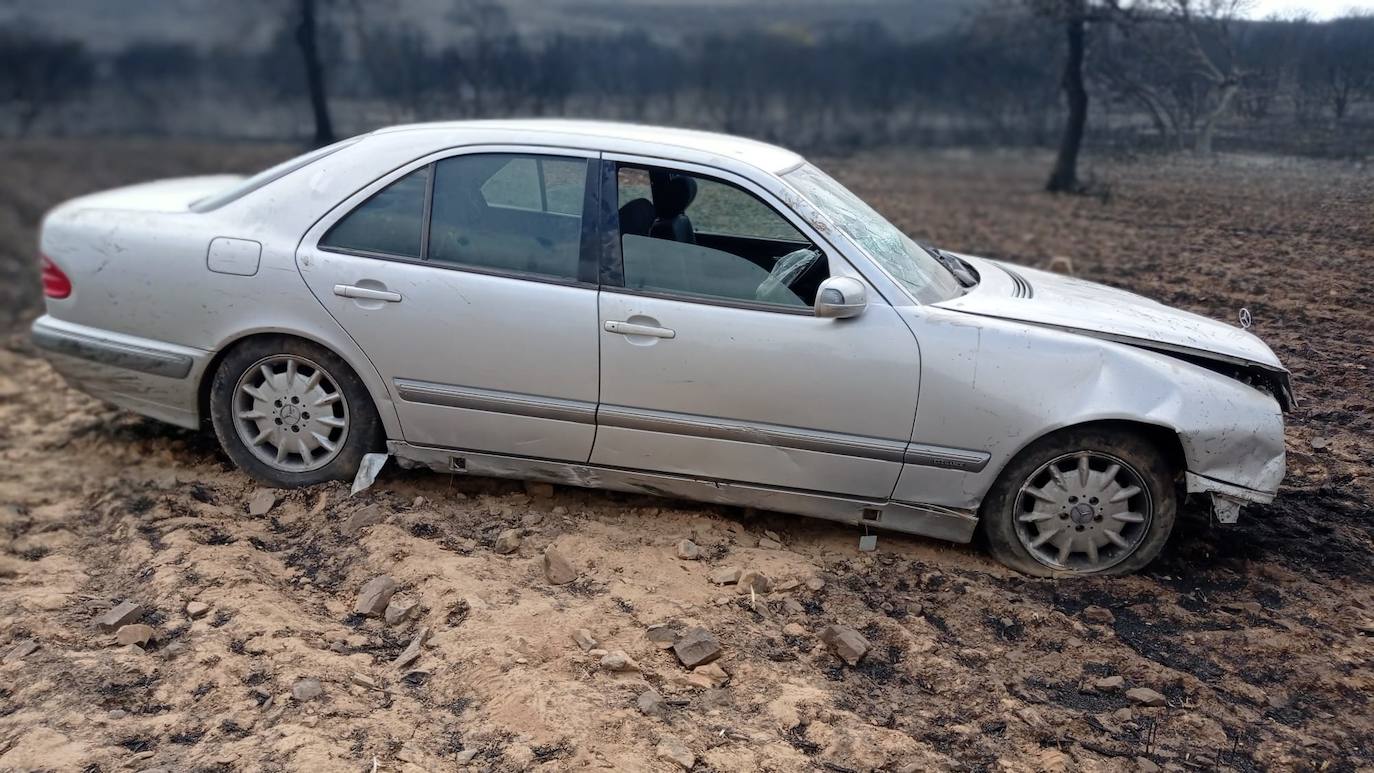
(686, 234)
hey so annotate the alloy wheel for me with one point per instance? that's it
(290, 413)
(1083, 512)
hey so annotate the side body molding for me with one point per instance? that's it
(543, 407)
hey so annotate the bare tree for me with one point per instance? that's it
(308, 38)
(1074, 16)
(1343, 60)
(1206, 28)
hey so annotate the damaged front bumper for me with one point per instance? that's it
(1227, 498)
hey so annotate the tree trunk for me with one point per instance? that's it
(1203, 147)
(308, 38)
(1064, 178)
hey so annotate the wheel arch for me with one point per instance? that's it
(1164, 438)
(997, 526)
(367, 374)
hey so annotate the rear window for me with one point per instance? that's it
(267, 176)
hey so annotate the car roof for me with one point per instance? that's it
(621, 137)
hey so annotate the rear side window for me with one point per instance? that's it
(495, 212)
(509, 213)
(389, 223)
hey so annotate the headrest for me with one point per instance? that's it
(637, 217)
(675, 196)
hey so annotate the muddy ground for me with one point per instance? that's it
(1259, 637)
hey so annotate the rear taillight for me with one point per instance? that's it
(55, 283)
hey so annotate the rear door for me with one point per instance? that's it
(465, 279)
(713, 363)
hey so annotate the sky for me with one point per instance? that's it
(1318, 9)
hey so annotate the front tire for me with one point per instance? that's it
(1086, 501)
(291, 413)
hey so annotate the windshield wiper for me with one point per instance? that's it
(961, 271)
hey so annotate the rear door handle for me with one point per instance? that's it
(633, 329)
(366, 293)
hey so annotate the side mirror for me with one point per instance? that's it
(841, 297)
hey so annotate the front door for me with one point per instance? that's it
(712, 362)
(462, 278)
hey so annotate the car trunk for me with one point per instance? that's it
(171, 195)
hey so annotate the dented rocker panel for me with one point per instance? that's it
(927, 520)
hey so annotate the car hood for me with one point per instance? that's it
(1043, 298)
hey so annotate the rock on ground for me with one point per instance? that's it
(754, 581)
(1110, 683)
(1144, 696)
(650, 703)
(125, 613)
(673, 750)
(617, 660)
(846, 642)
(400, 609)
(726, 575)
(508, 542)
(307, 689)
(262, 502)
(585, 640)
(697, 647)
(360, 519)
(712, 672)
(558, 570)
(374, 596)
(687, 550)
(412, 650)
(135, 634)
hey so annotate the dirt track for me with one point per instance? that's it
(1252, 633)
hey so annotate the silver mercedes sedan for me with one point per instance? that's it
(662, 311)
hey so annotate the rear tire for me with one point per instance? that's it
(291, 413)
(1086, 501)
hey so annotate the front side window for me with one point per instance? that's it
(685, 234)
(501, 212)
(904, 259)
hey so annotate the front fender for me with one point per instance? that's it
(997, 386)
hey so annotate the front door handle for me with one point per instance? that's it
(634, 329)
(366, 293)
